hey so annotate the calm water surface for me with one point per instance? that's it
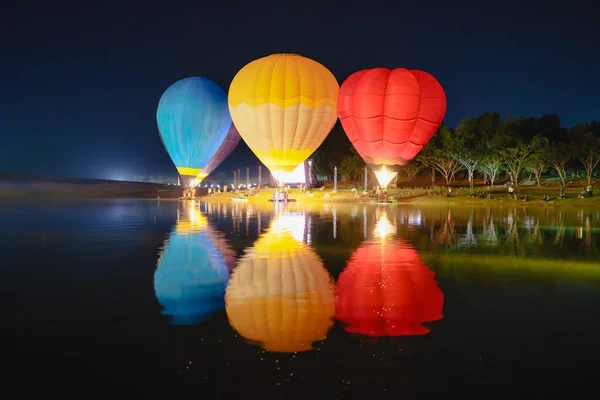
(149, 299)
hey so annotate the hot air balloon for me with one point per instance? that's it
(229, 144)
(387, 290)
(389, 115)
(284, 106)
(280, 296)
(193, 120)
(192, 272)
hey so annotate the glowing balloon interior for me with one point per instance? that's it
(191, 274)
(389, 115)
(193, 120)
(280, 296)
(387, 290)
(284, 106)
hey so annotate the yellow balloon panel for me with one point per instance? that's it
(283, 300)
(284, 106)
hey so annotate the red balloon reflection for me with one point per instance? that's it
(387, 290)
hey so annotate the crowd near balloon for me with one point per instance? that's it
(284, 106)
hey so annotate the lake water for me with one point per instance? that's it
(169, 299)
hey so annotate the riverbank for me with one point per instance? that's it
(85, 189)
(104, 189)
(429, 197)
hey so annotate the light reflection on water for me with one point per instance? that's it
(280, 295)
(185, 296)
(193, 269)
(386, 289)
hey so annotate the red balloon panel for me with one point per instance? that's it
(389, 115)
(387, 290)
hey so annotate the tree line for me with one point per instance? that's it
(485, 146)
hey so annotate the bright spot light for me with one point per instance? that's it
(192, 214)
(298, 175)
(292, 224)
(383, 228)
(384, 176)
(195, 182)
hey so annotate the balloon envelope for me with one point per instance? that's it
(191, 274)
(387, 290)
(284, 106)
(193, 120)
(389, 115)
(229, 144)
(280, 296)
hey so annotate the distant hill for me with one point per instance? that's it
(29, 186)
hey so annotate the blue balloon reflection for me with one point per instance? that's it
(191, 278)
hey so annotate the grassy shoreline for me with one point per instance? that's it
(428, 197)
(403, 196)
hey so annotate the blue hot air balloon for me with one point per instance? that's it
(192, 273)
(193, 120)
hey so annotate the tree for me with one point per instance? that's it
(410, 170)
(484, 128)
(467, 146)
(515, 158)
(442, 162)
(491, 165)
(332, 151)
(351, 167)
(537, 163)
(559, 155)
(586, 145)
(468, 158)
(437, 155)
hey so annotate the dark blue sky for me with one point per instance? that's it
(80, 81)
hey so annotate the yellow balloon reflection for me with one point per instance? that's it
(280, 296)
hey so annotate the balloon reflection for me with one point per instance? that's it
(280, 296)
(193, 269)
(386, 289)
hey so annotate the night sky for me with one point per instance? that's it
(80, 81)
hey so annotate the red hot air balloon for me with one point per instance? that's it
(389, 115)
(387, 290)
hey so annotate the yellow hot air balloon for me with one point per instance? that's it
(280, 296)
(284, 106)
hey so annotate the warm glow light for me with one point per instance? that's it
(291, 224)
(281, 177)
(194, 222)
(384, 177)
(280, 295)
(383, 228)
